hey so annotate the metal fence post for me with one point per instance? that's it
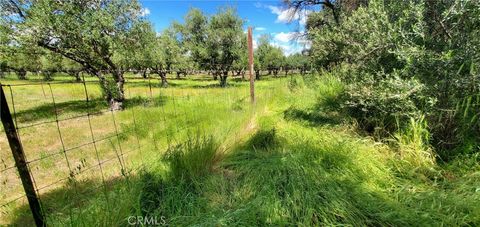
(20, 161)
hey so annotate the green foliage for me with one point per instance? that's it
(110, 89)
(93, 33)
(378, 103)
(300, 62)
(193, 35)
(308, 171)
(269, 57)
(214, 43)
(404, 60)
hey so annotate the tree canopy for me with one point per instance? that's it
(92, 33)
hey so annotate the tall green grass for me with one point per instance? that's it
(283, 162)
(292, 173)
(414, 149)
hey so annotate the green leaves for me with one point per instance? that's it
(404, 59)
(89, 32)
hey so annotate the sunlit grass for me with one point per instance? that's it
(205, 156)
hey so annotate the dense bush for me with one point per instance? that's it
(379, 103)
(405, 59)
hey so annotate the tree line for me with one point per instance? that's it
(108, 38)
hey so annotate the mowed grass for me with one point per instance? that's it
(208, 158)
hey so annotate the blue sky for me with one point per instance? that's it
(267, 17)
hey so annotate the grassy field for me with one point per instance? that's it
(202, 155)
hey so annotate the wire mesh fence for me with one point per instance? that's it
(71, 139)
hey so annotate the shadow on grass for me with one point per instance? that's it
(312, 117)
(201, 78)
(47, 111)
(309, 185)
(215, 85)
(66, 205)
(153, 83)
(300, 184)
(176, 83)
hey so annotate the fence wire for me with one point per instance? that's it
(55, 162)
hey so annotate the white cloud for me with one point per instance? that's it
(144, 12)
(290, 42)
(287, 15)
(284, 36)
(288, 48)
(260, 29)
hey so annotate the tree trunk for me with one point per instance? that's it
(118, 95)
(163, 77)
(223, 79)
(178, 74)
(215, 76)
(286, 72)
(22, 74)
(48, 75)
(76, 74)
(275, 72)
(144, 74)
(257, 74)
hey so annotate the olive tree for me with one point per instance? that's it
(193, 35)
(162, 53)
(260, 55)
(20, 60)
(274, 60)
(268, 57)
(90, 32)
(213, 43)
(223, 43)
(240, 64)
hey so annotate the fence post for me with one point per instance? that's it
(20, 161)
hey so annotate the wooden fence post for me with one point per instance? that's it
(250, 65)
(20, 161)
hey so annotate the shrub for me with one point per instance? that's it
(378, 104)
(406, 59)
